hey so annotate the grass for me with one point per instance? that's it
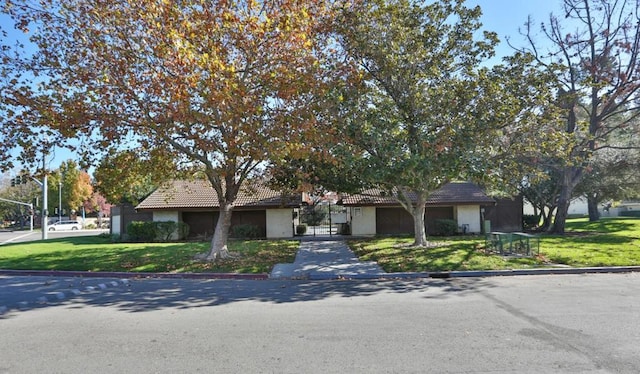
(609, 242)
(98, 253)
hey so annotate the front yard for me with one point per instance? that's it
(609, 242)
(98, 253)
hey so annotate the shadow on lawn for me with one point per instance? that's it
(144, 295)
(604, 225)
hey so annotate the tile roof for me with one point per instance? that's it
(199, 194)
(454, 193)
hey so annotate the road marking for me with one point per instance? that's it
(16, 238)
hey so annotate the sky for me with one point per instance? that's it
(504, 17)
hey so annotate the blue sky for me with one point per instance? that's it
(505, 17)
(501, 16)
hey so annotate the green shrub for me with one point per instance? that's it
(165, 229)
(160, 231)
(183, 230)
(245, 231)
(445, 227)
(301, 229)
(138, 231)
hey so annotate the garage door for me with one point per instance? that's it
(397, 221)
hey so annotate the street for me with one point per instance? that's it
(526, 324)
(7, 237)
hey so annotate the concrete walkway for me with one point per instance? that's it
(325, 260)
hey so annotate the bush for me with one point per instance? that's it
(183, 230)
(165, 229)
(156, 231)
(445, 227)
(138, 231)
(245, 231)
(530, 221)
(301, 229)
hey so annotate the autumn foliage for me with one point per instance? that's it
(223, 86)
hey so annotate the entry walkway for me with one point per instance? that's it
(325, 260)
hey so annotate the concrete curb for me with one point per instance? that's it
(476, 274)
(98, 274)
(328, 276)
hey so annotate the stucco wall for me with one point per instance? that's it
(115, 225)
(279, 223)
(166, 216)
(363, 220)
(469, 215)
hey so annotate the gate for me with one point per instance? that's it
(322, 219)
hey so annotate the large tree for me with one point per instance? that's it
(428, 111)
(593, 51)
(128, 177)
(71, 184)
(222, 85)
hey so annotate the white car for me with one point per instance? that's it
(65, 225)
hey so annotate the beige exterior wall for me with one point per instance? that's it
(166, 216)
(469, 215)
(363, 220)
(115, 225)
(279, 223)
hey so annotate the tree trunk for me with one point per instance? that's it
(564, 199)
(221, 235)
(570, 178)
(546, 214)
(420, 233)
(592, 203)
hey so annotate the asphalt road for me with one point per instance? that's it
(7, 237)
(526, 324)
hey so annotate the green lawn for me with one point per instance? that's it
(98, 253)
(609, 242)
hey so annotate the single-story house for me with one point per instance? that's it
(196, 204)
(375, 212)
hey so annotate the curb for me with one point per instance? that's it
(476, 274)
(325, 276)
(98, 274)
(55, 297)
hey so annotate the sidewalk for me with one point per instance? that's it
(325, 260)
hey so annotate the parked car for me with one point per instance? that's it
(65, 225)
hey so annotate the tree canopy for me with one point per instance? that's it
(593, 53)
(428, 112)
(220, 85)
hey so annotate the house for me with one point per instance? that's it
(196, 204)
(374, 212)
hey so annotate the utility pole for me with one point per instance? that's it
(44, 197)
(60, 201)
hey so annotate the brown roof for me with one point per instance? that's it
(199, 194)
(454, 193)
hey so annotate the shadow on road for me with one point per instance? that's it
(158, 294)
